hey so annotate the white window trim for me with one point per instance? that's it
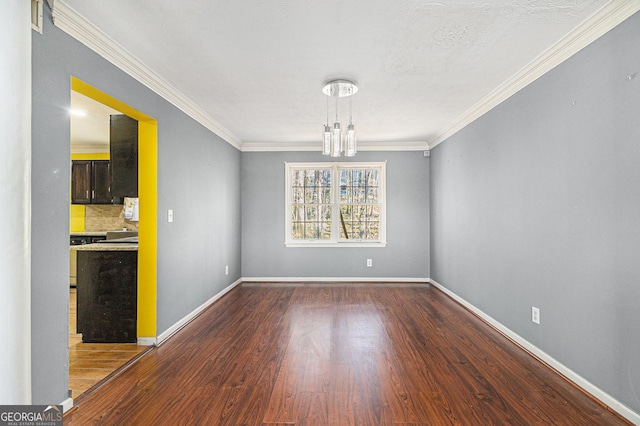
(335, 182)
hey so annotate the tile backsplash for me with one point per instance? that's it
(106, 218)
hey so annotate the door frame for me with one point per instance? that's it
(148, 194)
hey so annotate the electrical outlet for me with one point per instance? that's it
(226, 270)
(535, 315)
(369, 263)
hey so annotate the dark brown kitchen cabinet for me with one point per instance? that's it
(91, 182)
(107, 289)
(101, 178)
(81, 182)
(124, 156)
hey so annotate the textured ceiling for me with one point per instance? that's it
(257, 67)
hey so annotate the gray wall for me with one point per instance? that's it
(537, 203)
(198, 177)
(265, 255)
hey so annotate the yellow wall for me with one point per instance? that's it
(148, 195)
(77, 211)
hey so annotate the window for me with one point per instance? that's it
(335, 204)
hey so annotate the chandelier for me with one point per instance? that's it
(333, 143)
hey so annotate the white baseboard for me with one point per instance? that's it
(184, 321)
(578, 380)
(146, 341)
(333, 279)
(67, 405)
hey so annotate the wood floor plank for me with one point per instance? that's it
(338, 354)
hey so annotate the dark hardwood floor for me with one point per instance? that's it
(338, 354)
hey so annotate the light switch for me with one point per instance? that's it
(169, 215)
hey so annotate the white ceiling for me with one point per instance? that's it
(257, 67)
(89, 124)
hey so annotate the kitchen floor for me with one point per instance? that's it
(90, 363)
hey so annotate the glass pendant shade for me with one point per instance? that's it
(326, 140)
(333, 143)
(336, 140)
(350, 141)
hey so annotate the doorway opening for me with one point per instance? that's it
(147, 246)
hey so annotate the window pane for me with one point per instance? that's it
(373, 230)
(346, 212)
(297, 230)
(373, 212)
(345, 194)
(357, 230)
(297, 178)
(325, 195)
(360, 213)
(359, 195)
(356, 177)
(310, 178)
(311, 208)
(297, 213)
(359, 203)
(348, 227)
(325, 213)
(311, 230)
(324, 178)
(311, 213)
(297, 195)
(372, 195)
(345, 177)
(372, 177)
(310, 195)
(325, 230)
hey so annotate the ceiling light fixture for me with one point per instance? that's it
(78, 112)
(332, 142)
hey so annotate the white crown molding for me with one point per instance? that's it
(280, 146)
(393, 146)
(71, 22)
(572, 376)
(315, 146)
(605, 19)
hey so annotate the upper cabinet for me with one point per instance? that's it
(101, 177)
(81, 182)
(124, 156)
(108, 182)
(90, 182)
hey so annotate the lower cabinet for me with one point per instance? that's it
(107, 296)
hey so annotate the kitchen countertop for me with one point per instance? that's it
(88, 233)
(106, 247)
